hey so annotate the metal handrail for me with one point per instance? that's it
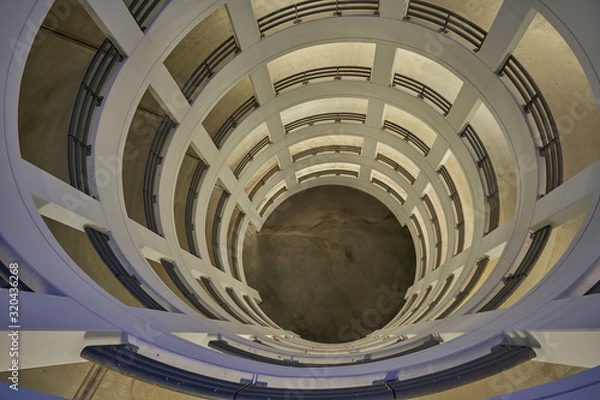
(423, 92)
(142, 9)
(192, 195)
(89, 98)
(328, 172)
(455, 199)
(338, 148)
(262, 181)
(155, 156)
(234, 243)
(388, 189)
(512, 282)
(335, 117)
(272, 200)
(396, 167)
(295, 12)
(209, 66)
(264, 142)
(537, 106)
(233, 120)
(407, 136)
(440, 296)
(337, 73)
(214, 294)
(447, 21)
(215, 230)
(487, 175)
(415, 221)
(437, 231)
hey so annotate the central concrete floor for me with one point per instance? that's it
(331, 264)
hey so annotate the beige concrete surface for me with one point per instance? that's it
(184, 179)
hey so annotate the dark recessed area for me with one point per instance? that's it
(331, 264)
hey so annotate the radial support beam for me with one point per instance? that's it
(569, 200)
(263, 87)
(393, 8)
(244, 22)
(275, 127)
(508, 28)
(465, 106)
(203, 145)
(438, 154)
(375, 111)
(167, 93)
(285, 162)
(383, 65)
(115, 20)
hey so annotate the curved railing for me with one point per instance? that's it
(7, 280)
(423, 92)
(388, 189)
(458, 211)
(207, 68)
(214, 294)
(250, 156)
(477, 273)
(100, 241)
(89, 98)
(336, 117)
(437, 232)
(487, 174)
(512, 282)
(171, 270)
(235, 268)
(447, 284)
(328, 172)
(537, 106)
(407, 136)
(294, 13)
(215, 229)
(232, 294)
(141, 10)
(448, 21)
(154, 159)
(262, 181)
(158, 373)
(396, 167)
(337, 148)
(336, 73)
(422, 300)
(189, 206)
(272, 200)
(421, 239)
(234, 119)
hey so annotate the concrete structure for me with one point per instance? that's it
(499, 183)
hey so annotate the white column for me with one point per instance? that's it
(168, 95)
(464, 107)
(244, 22)
(383, 64)
(261, 81)
(392, 8)
(375, 111)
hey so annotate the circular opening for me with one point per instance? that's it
(331, 264)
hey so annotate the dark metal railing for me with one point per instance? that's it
(262, 181)
(458, 211)
(173, 273)
(207, 68)
(215, 230)
(336, 73)
(537, 106)
(396, 167)
(100, 241)
(512, 282)
(388, 189)
(415, 221)
(89, 98)
(407, 135)
(328, 172)
(154, 159)
(338, 148)
(294, 13)
(231, 293)
(448, 21)
(234, 119)
(479, 269)
(487, 175)
(141, 10)
(336, 117)
(189, 206)
(272, 200)
(437, 231)
(214, 294)
(234, 243)
(438, 298)
(423, 92)
(250, 156)
(7, 279)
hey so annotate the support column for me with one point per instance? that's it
(383, 64)
(203, 145)
(168, 94)
(375, 112)
(465, 106)
(244, 22)
(393, 8)
(261, 81)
